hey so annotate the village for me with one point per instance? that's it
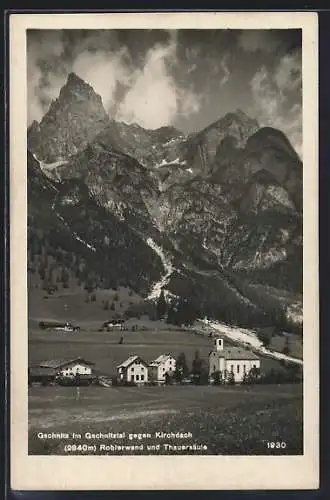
(226, 365)
(136, 374)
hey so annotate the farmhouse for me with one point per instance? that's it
(51, 325)
(69, 367)
(114, 324)
(164, 364)
(134, 369)
(41, 375)
(231, 361)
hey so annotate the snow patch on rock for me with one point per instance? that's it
(75, 235)
(168, 266)
(165, 163)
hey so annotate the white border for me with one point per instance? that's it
(178, 472)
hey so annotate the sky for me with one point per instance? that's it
(184, 78)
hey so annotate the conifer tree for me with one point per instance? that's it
(181, 368)
(197, 367)
(161, 306)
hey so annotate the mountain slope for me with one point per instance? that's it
(208, 216)
(66, 223)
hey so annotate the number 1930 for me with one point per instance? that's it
(276, 444)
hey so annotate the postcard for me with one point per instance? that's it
(164, 251)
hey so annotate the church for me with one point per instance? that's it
(231, 361)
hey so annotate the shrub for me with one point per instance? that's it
(231, 378)
(217, 377)
(286, 348)
(265, 336)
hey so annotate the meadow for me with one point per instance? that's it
(227, 420)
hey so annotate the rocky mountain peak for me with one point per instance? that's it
(76, 88)
(74, 79)
(270, 137)
(72, 121)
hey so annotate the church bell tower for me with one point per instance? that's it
(218, 344)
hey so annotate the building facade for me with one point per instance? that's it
(234, 362)
(134, 369)
(69, 368)
(164, 364)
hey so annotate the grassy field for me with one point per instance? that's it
(227, 420)
(103, 349)
(70, 304)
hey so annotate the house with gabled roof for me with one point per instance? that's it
(69, 367)
(232, 361)
(164, 365)
(134, 369)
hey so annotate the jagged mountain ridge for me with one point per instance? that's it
(225, 202)
(70, 123)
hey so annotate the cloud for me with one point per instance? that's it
(150, 93)
(225, 69)
(288, 75)
(190, 102)
(155, 98)
(43, 84)
(277, 100)
(259, 40)
(103, 71)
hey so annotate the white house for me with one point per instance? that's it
(69, 367)
(164, 364)
(114, 324)
(231, 360)
(134, 369)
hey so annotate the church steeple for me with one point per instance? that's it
(218, 344)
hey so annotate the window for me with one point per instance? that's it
(142, 377)
(132, 369)
(214, 368)
(163, 368)
(137, 377)
(237, 368)
(142, 368)
(254, 366)
(244, 368)
(232, 368)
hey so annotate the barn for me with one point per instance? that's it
(41, 375)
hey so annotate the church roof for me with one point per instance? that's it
(236, 353)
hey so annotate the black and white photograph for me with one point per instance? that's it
(165, 250)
